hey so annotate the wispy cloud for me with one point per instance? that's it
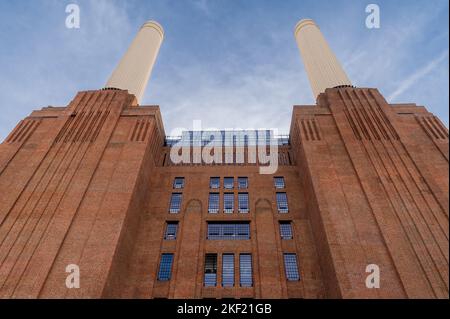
(203, 6)
(417, 75)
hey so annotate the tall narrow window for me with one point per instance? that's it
(228, 182)
(243, 202)
(291, 267)
(213, 204)
(178, 183)
(245, 270)
(228, 202)
(175, 203)
(227, 270)
(171, 231)
(285, 230)
(214, 182)
(242, 182)
(282, 203)
(279, 182)
(165, 267)
(210, 279)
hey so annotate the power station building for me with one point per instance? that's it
(357, 192)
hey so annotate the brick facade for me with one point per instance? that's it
(90, 184)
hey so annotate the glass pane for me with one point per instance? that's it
(228, 270)
(243, 202)
(213, 205)
(228, 182)
(291, 267)
(210, 279)
(245, 269)
(243, 182)
(175, 203)
(214, 182)
(165, 267)
(178, 183)
(279, 182)
(228, 202)
(286, 230)
(282, 203)
(171, 231)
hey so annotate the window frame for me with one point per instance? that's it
(211, 184)
(277, 185)
(243, 275)
(282, 232)
(213, 269)
(291, 269)
(175, 184)
(233, 230)
(228, 198)
(239, 182)
(228, 270)
(216, 208)
(166, 232)
(228, 178)
(282, 209)
(240, 209)
(165, 267)
(175, 208)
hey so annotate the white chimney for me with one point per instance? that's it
(323, 69)
(134, 69)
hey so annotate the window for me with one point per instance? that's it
(227, 270)
(213, 204)
(175, 203)
(291, 267)
(214, 182)
(242, 182)
(228, 202)
(228, 231)
(165, 267)
(171, 231)
(286, 230)
(210, 279)
(279, 182)
(282, 203)
(228, 182)
(178, 183)
(243, 202)
(245, 270)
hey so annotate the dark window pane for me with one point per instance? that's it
(171, 231)
(242, 182)
(210, 279)
(279, 182)
(228, 202)
(243, 202)
(282, 203)
(228, 182)
(214, 182)
(178, 183)
(291, 267)
(229, 231)
(213, 204)
(245, 270)
(228, 270)
(175, 203)
(286, 230)
(165, 267)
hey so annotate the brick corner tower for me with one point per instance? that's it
(72, 179)
(376, 180)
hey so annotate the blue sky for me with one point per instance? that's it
(229, 63)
